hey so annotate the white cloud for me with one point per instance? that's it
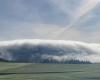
(23, 29)
(81, 12)
(86, 8)
(59, 50)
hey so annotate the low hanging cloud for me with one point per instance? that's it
(49, 51)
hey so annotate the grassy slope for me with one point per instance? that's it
(22, 71)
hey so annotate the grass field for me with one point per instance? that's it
(28, 71)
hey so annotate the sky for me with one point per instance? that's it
(77, 20)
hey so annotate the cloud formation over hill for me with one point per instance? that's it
(49, 51)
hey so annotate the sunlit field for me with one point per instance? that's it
(31, 71)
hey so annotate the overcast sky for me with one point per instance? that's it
(50, 19)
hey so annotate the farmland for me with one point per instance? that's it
(31, 71)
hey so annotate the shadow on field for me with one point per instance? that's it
(10, 73)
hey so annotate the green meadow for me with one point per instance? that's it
(31, 71)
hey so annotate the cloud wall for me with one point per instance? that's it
(49, 51)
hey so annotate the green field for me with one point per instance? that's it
(29, 71)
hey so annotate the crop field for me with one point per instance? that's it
(31, 71)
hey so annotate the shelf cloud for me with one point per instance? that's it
(36, 50)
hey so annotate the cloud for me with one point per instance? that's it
(86, 8)
(52, 19)
(28, 30)
(35, 11)
(45, 31)
(81, 12)
(58, 50)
